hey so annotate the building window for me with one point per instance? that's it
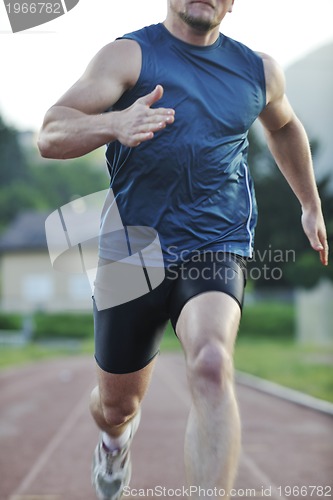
(37, 288)
(79, 288)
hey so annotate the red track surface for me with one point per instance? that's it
(47, 437)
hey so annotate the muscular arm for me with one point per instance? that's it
(289, 145)
(78, 123)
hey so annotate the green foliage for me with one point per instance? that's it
(259, 321)
(63, 326)
(12, 161)
(10, 321)
(28, 182)
(59, 182)
(19, 197)
(271, 320)
(279, 224)
(14, 176)
(52, 326)
(307, 271)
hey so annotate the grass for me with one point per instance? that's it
(306, 369)
(36, 351)
(32, 353)
(265, 348)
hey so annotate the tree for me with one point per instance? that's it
(61, 181)
(12, 162)
(15, 178)
(281, 246)
(30, 182)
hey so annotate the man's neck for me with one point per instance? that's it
(187, 34)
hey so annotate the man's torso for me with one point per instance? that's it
(191, 182)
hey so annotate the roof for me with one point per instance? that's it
(27, 232)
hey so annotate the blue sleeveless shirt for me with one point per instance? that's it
(191, 182)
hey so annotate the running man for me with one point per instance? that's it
(174, 103)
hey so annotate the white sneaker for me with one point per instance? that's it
(111, 470)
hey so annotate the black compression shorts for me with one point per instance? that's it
(128, 336)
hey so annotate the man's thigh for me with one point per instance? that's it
(208, 296)
(128, 336)
(208, 318)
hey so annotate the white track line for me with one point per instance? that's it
(264, 480)
(285, 393)
(44, 457)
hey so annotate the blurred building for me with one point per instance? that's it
(314, 315)
(28, 280)
(309, 89)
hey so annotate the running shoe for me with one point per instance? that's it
(111, 470)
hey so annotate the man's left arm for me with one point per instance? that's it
(289, 145)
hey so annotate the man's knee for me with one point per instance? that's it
(117, 415)
(210, 366)
(114, 411)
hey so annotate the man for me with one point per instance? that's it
(174, 103)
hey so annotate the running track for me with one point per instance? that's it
(47, 437)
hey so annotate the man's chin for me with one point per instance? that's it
(198, 23)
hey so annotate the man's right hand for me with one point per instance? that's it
(139, 122)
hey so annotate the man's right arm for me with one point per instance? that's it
(78, 123)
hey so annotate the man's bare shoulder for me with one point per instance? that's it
(112, 71)
(274, 75)
(121, 57)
